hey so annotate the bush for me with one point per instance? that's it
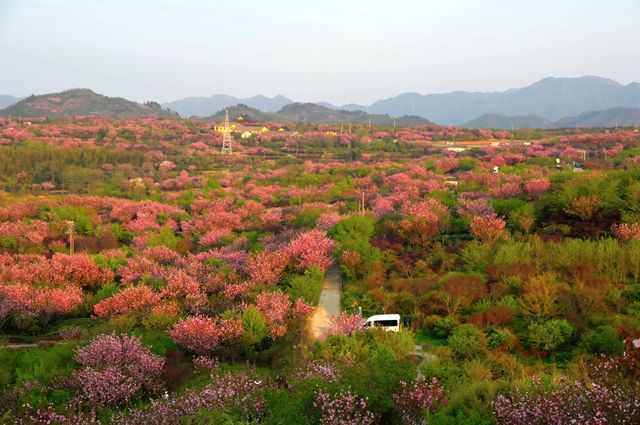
(603, 339)
(467, 341)
(501, 338)
(549, 335)
(474, 398)
(442, 327)
(254, 327)
(307, 286)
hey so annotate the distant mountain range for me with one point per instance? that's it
(551, 102)
(505, 122)
(6, 100)
(82, 102)
(205, 106)
(550, 98)
(314, 113)
(613, 117)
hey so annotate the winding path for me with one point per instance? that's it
(329, 305)
(425, 357)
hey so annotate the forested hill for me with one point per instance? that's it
(83, 102)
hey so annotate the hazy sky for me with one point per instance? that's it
(335, 50)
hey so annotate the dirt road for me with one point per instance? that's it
(329, 305)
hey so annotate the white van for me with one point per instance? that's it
(388, 322)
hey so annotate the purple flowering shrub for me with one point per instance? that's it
(569, 402)
(318, 370)
(242, 394)
(116, 369)
(610, 395)
(343, 408)
(412, 399)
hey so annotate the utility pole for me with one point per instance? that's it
(70, 231)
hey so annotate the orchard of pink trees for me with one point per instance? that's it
(147, 278)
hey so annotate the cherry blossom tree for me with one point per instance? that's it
(133, 299)
(312, 248)
(203, 335)
(275, 307)
(346, 324)
(180, 285)
(536, 187)
(267, 267)
(487, 228)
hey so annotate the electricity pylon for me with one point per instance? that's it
(226, 135)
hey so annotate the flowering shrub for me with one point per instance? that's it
(180, 285)
(506, 190)
(31, 301)
(487, 228)
(626, 232)
(115, 369)
(19, 234)
(343, 409)
(206, 363)
(312, 248)
(584, 207)
(316, 369)
(61, 270)
(569, 402)
(536, 187)
(203, 335)
(241, 393)
(134, 299)
(275, 307)
(346, 324)
(412, 399)
(267, 267)
(301, 309)
(471, 204)
(327, 220)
